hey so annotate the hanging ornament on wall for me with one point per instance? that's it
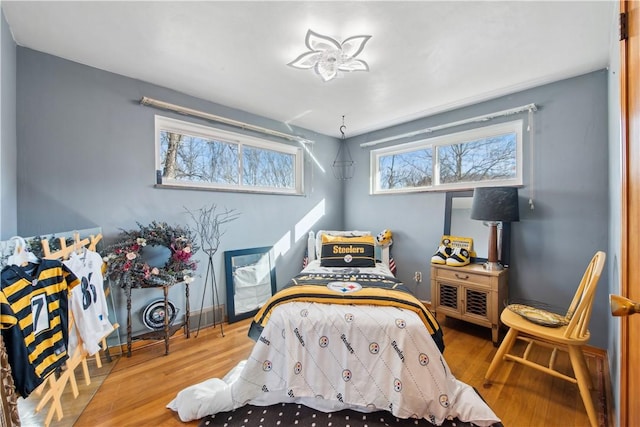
(343, 165)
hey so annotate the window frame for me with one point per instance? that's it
(471, 135)
(163, 123)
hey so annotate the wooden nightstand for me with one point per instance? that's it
(470, 293)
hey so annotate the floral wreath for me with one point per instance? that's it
(127, 265)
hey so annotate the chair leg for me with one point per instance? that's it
(585, 367)
(584, 379)
(504, 348)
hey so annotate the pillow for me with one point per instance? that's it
(347, 233)
(539, 316)
(339, 251)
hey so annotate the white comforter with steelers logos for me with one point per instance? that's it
(332, 357)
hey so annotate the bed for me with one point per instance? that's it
(343, 334)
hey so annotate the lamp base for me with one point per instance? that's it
(492, 266)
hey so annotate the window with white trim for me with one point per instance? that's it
(486, 156)
(197, 156)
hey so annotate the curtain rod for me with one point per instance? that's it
(208, 116)
(483, 118)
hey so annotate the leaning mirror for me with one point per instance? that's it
(458, 222)
(251, 280)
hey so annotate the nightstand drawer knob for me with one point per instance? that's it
(462, 276)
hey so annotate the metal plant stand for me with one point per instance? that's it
(214, 293)
(208, 226)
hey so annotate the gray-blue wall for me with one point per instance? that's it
(86, 158)
(85, 151)
(552, 244)
(8, 177)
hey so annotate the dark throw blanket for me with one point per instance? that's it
(293, 414)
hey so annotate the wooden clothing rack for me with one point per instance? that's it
(53, 387)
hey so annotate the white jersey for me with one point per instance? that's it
(88, 302)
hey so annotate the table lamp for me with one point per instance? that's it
(494, 205)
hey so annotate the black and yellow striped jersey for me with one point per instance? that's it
(34, 317)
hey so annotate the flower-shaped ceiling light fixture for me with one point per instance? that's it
(327, 56)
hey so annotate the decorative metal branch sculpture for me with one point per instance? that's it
(209, 224)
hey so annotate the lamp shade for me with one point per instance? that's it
(495, 204)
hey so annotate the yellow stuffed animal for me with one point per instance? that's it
(384, 238)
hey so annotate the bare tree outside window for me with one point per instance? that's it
(489, 154)
(412, 169)
(170, 145)
(191, 158)
(267, 168)
(482, 160)
(227, 161)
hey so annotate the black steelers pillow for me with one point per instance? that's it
(340, 251)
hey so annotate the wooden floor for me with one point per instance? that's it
(138, 388)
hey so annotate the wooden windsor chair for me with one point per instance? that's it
(569, 332)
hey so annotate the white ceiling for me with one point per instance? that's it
(424, 56)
